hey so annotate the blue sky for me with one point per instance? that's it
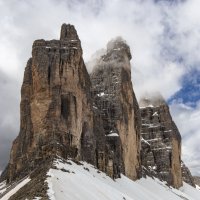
(164, 37)
(189, 94)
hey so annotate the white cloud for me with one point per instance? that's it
(160, 36)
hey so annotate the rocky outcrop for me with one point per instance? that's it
(56, 116)
(116, 105)
(161, 141)
(186, 174)
(197, 180)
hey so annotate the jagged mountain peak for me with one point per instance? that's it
(111, 82)
(162, 154)
(117, 54)
(119, 45)
(68, 32)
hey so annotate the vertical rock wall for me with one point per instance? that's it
(161, 141)
(56, 110)
(115, 101)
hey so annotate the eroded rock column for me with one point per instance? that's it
(114, 98)
(56, 109)
(161, 141)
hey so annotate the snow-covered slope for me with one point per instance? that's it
(82, 182)
(2, 187)
(12, 189)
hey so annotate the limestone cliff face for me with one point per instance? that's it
(161, 141)
(56, 110)
(115, 102)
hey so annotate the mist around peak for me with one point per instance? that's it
(95, 59)
(151, 99)
(117, 51)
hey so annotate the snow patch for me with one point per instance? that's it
(15, 189)
(3, 187)
(155, 139)
(155, 114)
(142, 139)
(112, 135)
(154, 126)
(150, 105)
(101, 94)
(154, 167)
(118, 49)
(50, 191)
(168, 131)
(197, 187)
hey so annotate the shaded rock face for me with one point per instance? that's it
(186, 174)
(117, 108)
(161, 141)
(55, 110)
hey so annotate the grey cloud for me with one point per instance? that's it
(9, 116)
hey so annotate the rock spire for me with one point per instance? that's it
(113, 97)
(161, 141)
(56, 111)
